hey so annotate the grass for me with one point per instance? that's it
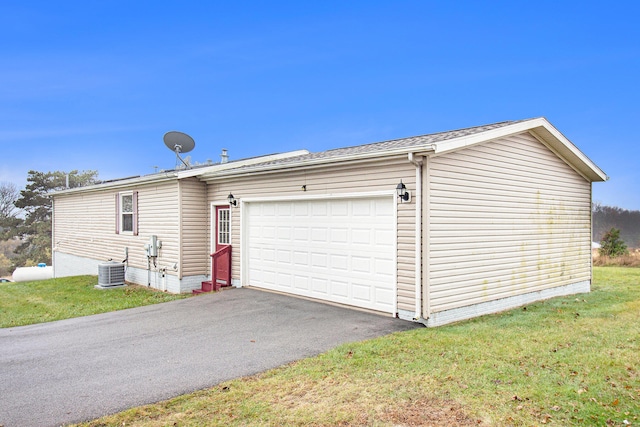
(567, 361)
(27, 303)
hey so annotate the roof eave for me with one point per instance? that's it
(419, 150)
(567, 150)
(124, 183)
(542, 129)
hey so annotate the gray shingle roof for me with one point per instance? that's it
(391, 145)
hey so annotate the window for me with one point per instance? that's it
(223, 227)
(127, 212)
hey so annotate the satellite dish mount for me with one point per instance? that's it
(179, 142)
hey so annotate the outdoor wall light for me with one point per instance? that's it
(232, 200)
(403, 194)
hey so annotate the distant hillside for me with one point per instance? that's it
(628, 222)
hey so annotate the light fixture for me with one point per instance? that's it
(403, 194)
(232, 200)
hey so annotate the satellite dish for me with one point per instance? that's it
(179, 142)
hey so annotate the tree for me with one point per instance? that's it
(8, 211)
(36, 201)
(612, 245)
(607, 217)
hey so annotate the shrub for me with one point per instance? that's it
(612, 245)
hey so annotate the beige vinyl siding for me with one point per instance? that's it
(194, 259)
(84, 225)
(345, 179)
(505, 218)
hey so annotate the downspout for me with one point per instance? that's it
(418, 237)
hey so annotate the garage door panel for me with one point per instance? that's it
(301, 283)
(340, 288)
(361, 208)
(319, 287)
(339, 209)
(384, 267)
(362, 292)
(339, 262)
(336, 250)
(319, 235)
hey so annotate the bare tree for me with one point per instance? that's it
(8, 195)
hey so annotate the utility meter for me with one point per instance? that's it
(151, 248)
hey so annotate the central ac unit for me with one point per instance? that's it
(111, 274)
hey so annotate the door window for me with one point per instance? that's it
(224, 226)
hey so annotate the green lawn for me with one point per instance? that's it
(26, 303)
(568, 361)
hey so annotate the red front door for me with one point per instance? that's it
(222, 253)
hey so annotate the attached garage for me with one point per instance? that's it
(334, 249)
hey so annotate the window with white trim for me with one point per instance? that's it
(224, 229)
(127, 212)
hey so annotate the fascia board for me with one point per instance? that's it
(477, 138)
(125, 183)
(215, 169)
(324, 161)
(565, 149)
(176, 175)
(543, 130)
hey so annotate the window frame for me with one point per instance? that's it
(223, 226)
(120, 213)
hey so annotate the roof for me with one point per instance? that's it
(435, 143)
(386, 146)
(174, 175)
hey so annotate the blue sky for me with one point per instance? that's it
(96, 84)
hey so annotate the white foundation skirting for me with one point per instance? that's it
(65, 265)
(454, 315)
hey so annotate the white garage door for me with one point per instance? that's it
(336, 250)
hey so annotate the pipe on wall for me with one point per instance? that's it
(418, 236)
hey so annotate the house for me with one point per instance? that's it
(491, 217)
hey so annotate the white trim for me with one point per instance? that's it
(202, 173)
(254, 166)
(122, 194)
(243, 248)
(310, 164)
(560, 156)
(562, 147)
(426, 240)
(318, 197)
(121, 184)
(394, 195)
(226, 208)
(570, 153)
(172, 175)
(418, 236)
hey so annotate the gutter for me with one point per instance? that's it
(418, 236)
(121, 183)
(319, 162)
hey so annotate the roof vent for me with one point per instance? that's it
(224, 157)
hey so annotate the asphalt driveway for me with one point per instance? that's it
(80, 369)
